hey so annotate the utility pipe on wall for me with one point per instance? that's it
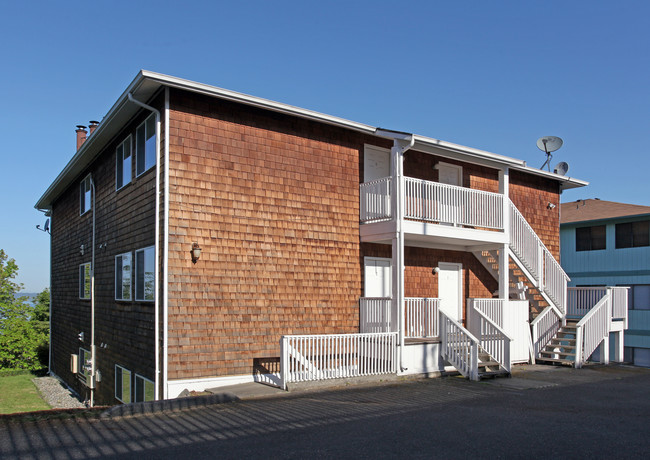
(93, 366)
(156, 249)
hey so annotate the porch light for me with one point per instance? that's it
(196, 252)
(435, 270)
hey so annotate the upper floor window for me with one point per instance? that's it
(123, 164)
(122, 384)
(639, 297)
(590, 238)
(84, 195)
(143, 389)
(144, 274)
(633, 234)
(145, 145)
(84, 281)
(123, 270)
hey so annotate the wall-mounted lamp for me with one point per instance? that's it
(435, 270)
(196, 252)
(551, 205)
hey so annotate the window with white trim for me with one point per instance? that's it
(123, 270)
(84, 364)
(84, 281)
(123, 164)
(145, 145)
(122, 384)
(143, 389)
(144, 273)
(84, 196)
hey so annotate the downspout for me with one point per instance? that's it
(166, 248)
(157, 248)
(400, 146)
(93, 359)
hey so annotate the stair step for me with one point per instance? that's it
(552, 352)
(553, 344)
(555, 360)
(488, 364)
(493, 374)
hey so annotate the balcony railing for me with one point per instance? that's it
(433, 202)
(420, 316)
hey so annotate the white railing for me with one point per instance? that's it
(459, 347)
(592, 329)
(321, 357)
(375, 200)
(619, 303)
(491, 308)
(376, 315)
(494, 341)
(436, 202)
(582, 299)
(548, 275)
(421, 317)
(544, 328)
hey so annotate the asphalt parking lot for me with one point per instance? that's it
(541, 412)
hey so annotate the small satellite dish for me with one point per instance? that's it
(561, 168)
(548, 144)
(46, 228)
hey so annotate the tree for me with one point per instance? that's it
(23, 334)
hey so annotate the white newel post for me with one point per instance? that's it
(284, 363)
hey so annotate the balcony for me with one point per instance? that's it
(434, 213)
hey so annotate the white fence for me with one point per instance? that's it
(459, 347)
(375, 202)
(436, 202)
(376, 315)
(544, 328)
(592, 329)
(320, 357)
(619, 303)
(582, 299)
(421, 317)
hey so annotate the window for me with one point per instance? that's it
(122, 384)
(123, 276)
(84, 195)
(633, 234)
(143, 389)
(638, 297)
(84, 364)
(84, 281)
(145, 145)
(590, 238)
(123, 164)
(144, 274)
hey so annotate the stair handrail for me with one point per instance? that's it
(499, 348)
(540, 261)
(541, 338)
(592, 329)
(454, 349)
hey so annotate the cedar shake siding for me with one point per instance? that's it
(124, 223)
(273, 201)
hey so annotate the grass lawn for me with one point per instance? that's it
(19, 394)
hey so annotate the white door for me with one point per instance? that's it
(449, 209)
(377, 276)
(376, 163)
(450, 174)
(450, 289)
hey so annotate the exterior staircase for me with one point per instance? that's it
(561, 349)
(488, 367)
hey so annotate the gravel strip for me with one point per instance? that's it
(56, 394)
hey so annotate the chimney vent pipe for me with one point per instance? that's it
(92, 126)
(81, 135)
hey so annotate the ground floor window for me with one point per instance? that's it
(122, 384)
(143, 389)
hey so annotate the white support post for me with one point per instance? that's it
(504, 189)
(284, 363)
(619, 356)
(579, 347)
(504, 274)
(604, 350)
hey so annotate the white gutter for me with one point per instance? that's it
(93, 359)
(156, 248)
(166, 249)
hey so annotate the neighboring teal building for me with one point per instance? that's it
(608, 243)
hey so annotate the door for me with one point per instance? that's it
(376, 163)
(378, 279)
(449, 205)
(450, 289)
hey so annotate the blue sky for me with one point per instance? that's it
(492, 75)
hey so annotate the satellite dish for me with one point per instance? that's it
(561, 168)
(548, 144)
(47, 226)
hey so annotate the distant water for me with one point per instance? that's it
(31, 296)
